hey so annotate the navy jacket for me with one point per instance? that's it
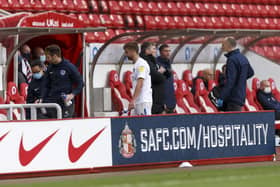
(238, 70)
(268, 101)
(61, 78)
(34, 90)
(169, 93)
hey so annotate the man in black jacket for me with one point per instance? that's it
(148, 53)
(238, 70)
(169, 93)
(267, 100)
(62, 82)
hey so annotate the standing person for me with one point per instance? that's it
(62, 82)
(39, 53)
(169, 93)
(238, 70)
(148, 53)
(142, 97)
(24, 69)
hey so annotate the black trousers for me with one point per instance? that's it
(67, 111)
(232, 107)
(277, 115)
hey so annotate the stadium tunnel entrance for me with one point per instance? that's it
(43, 29)
(178, 38)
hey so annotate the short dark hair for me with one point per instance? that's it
(53, 50)
(146, 45)
(162, 47)
(232, 42)
(131, 46)
(36, 62)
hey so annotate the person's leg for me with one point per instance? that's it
(277, 115)
(157, 109)
(233, 107)
(68, 111)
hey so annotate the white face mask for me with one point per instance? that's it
(267, 90)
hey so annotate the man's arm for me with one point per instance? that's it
(250, 72)
(231, 74)
(78, 80)
(136, 93)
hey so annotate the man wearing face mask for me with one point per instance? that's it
(62, 82)
(267, 100)
(148, 53)
(39, 53)
(24, 69)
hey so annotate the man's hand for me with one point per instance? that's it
(69, 97)
(161, 69)
(38, 101)
(220, 103)
(131, 105)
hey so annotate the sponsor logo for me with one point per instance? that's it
(4, 135)
(62, 72)
(127, 142)
(75, 153)
(26, 156)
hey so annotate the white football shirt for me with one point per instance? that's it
(141, 69)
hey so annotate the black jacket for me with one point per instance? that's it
(268, 101)
(169, 93)
(157, 80)
(61, 78)
(34, 90)
(238, 70)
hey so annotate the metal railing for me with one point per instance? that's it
(33, 109)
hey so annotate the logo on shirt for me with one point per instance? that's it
(141, 69)
(127, 142)
(62, 72)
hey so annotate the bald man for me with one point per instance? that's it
(267, 100)
(207, 74)
(238, 70)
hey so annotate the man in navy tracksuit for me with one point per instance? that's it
(59, 81)
(267, 100)
(238, 70)
(169, 93)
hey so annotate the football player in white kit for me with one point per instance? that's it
(142, 88)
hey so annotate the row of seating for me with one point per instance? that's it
(188, 8)
(271, 52)
(45, 5)
(186, 101)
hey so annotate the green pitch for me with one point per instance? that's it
(257, 176)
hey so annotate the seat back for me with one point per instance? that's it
(274, 89)
(128, 83)
(255, 87)
(23, 87)
(201, 98)
(211, 84)
(188, 78)
(188, 97)
(250, 104)
(13, 94)
(119, 96)
(175, 76)
(180, 105)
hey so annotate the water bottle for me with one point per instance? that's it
(63, 95)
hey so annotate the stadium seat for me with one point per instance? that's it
(80, 5)
(150, 22)
(198, 23)
(24, 5)
(124, 7)
(105, 20)
(190, 8)
(119, 97)
(46, 5)
(23, 88)
(188, 98)
(180, 108)
(114, 7)
(244, 24)
(172, 9)
(153, 8)
(134, 7)
(84, 18)
(170, 23)
(69, 6)
(162, 8)
(175, 76)
(128, 83)
(181, 8)
(93, 6)
(250, 104)
(207, 22)
(13, 97)
(189, 23)
(94, 20)
(200, 9)
(139, 21)
(274, 89)
(4, 5)
(217, 23)
(117, 21)
(211, 84)
(226, 22)
(188, 78)
(57, 4)
(14, 5)
(235, 22)
(255, 87)
(178, 20)
(109, 33)
(129, 21)
(103, 6)
(202, 99)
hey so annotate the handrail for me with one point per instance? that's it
(33, 109)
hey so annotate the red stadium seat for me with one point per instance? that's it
(4, 5)
(103, 6)
(13, 97)
(200, 8)
(255, 87)
(94, 6)
(178, 20)
(109, 33)
(57, 4)
(128, 83)
(150, 22)
(69, 6)
(153, 8)
(217, 9)
(180, 108)
(24, 5)
(46, 5)
(124, 7)
(81, 6)
(244, 24)
(119, 97)
(105, 20)
(202, 99)
(207, 22)
(226, 22)
(172, 9)
(23, 87)
(235, 22)
(139, 21)
(94, 20)
(175, 76)
(190, 8)
(217, 23)
(134, 7)
(188, 78)
(181, 8)
(227, 9)
(114, 7)
(129, 22)
(14, 5)
(170, 22)
(274, 89)
(211, 84)
(198, 23)
(188, 98)
(189, 23)
(85, 19)
(117, 20)
(262, 10)
(163, 8)
(250, 104)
